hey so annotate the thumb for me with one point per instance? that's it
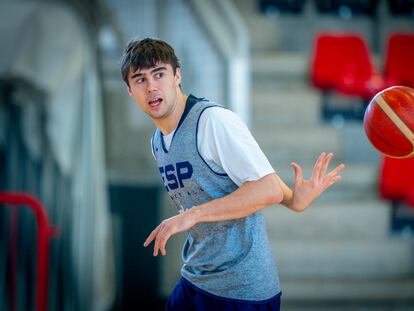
(298, 172)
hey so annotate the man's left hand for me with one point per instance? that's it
(307, 190)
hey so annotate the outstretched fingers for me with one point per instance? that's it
(336, 170)
(333, 176)
(333, 180)
(152, 236)
(316, 173)
(298, 172)
(161, 241)
(325, 164)
(160, 236)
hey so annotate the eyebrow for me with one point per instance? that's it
(156, 69)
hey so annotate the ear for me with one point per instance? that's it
(128, 90)
(177, 76)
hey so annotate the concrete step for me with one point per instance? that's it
(279, 71)
(349, 291)
(262, 32)
(297, 144)
(350, 141)
(286, 108)
(280, 64)
(356, 146)
(363, 258)
(328, 222)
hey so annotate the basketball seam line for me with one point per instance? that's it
(405, 130)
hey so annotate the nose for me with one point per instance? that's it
(151, 85)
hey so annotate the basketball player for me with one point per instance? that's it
(220, 180)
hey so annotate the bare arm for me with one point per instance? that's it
(249, 198)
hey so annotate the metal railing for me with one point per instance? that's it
(44, 232)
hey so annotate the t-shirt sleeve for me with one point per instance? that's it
(226, 144)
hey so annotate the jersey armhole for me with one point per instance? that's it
(152, 144)
(196, 139)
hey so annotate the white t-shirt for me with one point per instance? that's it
(226, 144)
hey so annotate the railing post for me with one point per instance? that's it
(45, 231)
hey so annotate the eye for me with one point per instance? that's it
(140, 80)
(159, 75)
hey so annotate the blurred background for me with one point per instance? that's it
(71, 137)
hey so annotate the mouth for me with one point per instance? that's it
(155, 102)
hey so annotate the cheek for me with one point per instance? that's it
(138, 97)
(137, 93)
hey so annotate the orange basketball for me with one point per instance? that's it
(389, 122)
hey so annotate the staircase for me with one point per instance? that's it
(340, 249)
(338, 254)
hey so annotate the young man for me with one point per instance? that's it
(220, 180)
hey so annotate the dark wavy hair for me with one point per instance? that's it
(146, 53)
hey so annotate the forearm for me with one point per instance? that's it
(287, 195)
(248, 199)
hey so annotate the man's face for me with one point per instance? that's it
(155, 89)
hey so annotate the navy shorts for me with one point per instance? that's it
(187, 297)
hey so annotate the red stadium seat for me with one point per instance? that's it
(342, 62)
(326, 63)
(396, 180)
(410, 197)
(399, 61)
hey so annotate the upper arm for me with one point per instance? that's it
(224, 140)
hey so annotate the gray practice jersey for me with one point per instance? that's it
(230, 259)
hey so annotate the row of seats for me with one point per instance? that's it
(342, 62)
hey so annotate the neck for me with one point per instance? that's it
(170, 123)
